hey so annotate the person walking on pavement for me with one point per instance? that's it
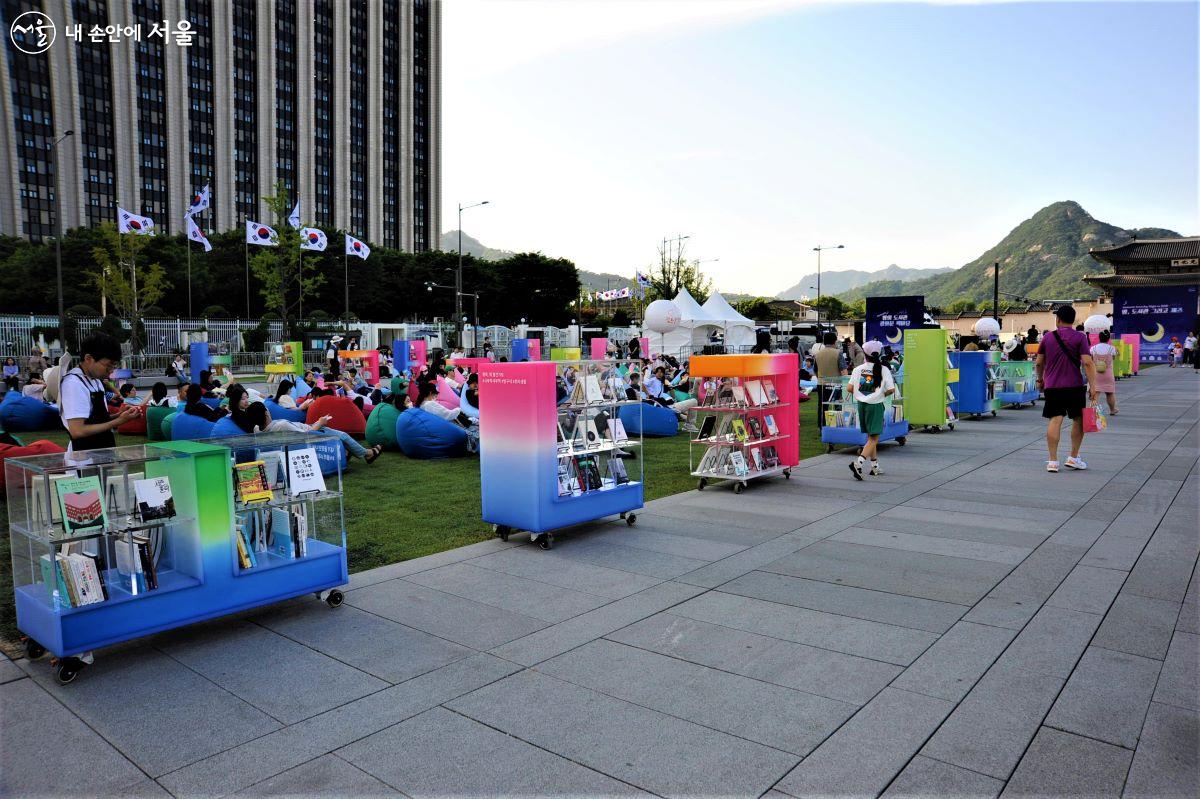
(1063, 357)
(871, 383)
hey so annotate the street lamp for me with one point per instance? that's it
(818, 250)
(458, 281)
(62, 326)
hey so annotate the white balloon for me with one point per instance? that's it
(662, 316)
(1097, 322)
(987, 326)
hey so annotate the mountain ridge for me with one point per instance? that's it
(836, 281)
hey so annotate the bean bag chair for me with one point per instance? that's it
(188, 427)
(413, 392)
(154, 419)
(381, 427)
(346, 415)
(422, 435)
(301, 390)
(212, 402)
(277, 411)
(225, 426)
(20, 414)
(42, 447)
(331, 455)
(649, 420)
(168, 423)
(399, 384)
(135, 426)
(447, 396)
(466, 407)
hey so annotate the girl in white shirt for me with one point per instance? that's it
(871, 383)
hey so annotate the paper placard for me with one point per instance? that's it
(304, 472)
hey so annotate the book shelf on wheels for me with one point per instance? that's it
(749, 422)
(546, 464)
(114, 544)
(929, 378)
(979, 385)
(1020, 383)
(840, 425)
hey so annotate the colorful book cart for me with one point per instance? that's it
(1134, 340)
(929, 379)
(545, 464)
(525, 349)
(840, 425)
(365, 361)
(114, 544)
(978, 383)
(749, 421)
(1020, 383)
(288, 360)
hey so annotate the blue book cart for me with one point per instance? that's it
(840, 427)
(978, 383)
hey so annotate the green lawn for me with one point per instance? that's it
(398, 508)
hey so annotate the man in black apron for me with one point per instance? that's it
(82, 406)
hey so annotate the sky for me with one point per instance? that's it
(915, 134)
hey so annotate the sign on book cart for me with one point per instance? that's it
(304, 472)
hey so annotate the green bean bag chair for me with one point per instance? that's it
(167, 423)
(381, 427)
(154, 419)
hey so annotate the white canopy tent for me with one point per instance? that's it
(695, 326)
(739, 331)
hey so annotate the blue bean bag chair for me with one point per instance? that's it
(167, 423)
(649, 420)
(466, 407)
(301, 390)
(188, 427)
(422, 435)
(277, 411)
(20, 414)
(225, 426)
(331, 455)
(212, 402)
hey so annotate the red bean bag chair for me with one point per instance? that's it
(346, 415)
(135, 426)
(42, 447)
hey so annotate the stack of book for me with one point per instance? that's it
(75, 578)
(135, 563)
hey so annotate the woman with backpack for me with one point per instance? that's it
(1103, 355)
(871, 383)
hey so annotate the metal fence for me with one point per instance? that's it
(162, 336)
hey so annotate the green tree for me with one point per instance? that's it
(278, 269)
(129, 286)
(830, 307)
(674, 272)
(961, 306)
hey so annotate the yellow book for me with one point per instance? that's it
(251, 480)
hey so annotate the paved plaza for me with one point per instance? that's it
(964, 625)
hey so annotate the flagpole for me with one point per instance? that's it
(187, 242)
(346, 269)
(246, 250)
(301, 273)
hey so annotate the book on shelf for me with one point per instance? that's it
(897, 412)
(714, 458)
(564, 444)
(304, 472)
(831, 418)
(135, 562)
(567, 481)
(592, 389)
(590, 433)
(755, 426)
(740, 397)
(578, 393)
(769, 387)
(250, 479)
(707, 426)
(770, 457)
(769, 423)
(55, 580)
(273, 466)
(589, 473)
(116, 492)
(724, 427)
(245, 533)
(616, 469)
(738, 461)
(949, 414)
(755, 392)
(82, 510)
(739, 429)
(154, 499)
(616, 430)
(757, 457)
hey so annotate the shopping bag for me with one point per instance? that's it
(1094, 419)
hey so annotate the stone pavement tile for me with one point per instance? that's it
(862, 757)
(149, 731)
(367, 642)
(944, 524)
(1189, 614)
(782, 718)
(658, 753)
(1160, 577)
(46, 751)
(508, 592)
(1139, 626)
(989, 730)
(1012, 614)
(891, 644)
(9, 670)
(1039, 519)
(327, 776)
(937, 577)
(735, 514)
(246, 660)
(1167, 760)
(462, 621)
(1106, 697)
(1061, 764)
(934, 545)
(805, 668)
(404, 568)
(594, 624)
(952, 666)
(557, 569)
(1087, 589)
(241, 766)
(1077, 532)
(145, 788)
(1113, 552)
(859, 603)
(1040, 574)
(651, 537)
(924, 778)
(1179, 680)
(610, 553)
(1052, 641)
(715, 574)
(662, 519)
(1007, 491)
(441, 753)
(1101, 509)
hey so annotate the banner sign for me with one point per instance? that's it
(888, 317)
(1157, 314)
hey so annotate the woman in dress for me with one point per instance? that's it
(1103, 355)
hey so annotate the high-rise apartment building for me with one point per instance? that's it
(339, 100)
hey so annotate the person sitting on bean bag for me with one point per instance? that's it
(257, 419)
(196, 406)
(285, 400)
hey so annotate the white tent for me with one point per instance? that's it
(695, 325)
(739, 331)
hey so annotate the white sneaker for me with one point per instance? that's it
(1052, 466)
(856, 470)
(1076, 463)
(875, 468)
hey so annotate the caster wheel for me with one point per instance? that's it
(335, 599)
(738, 487)
(33, 650)
(546, 541)
(993, 413)
(503, 531)
(902, 440)
(622, 515)
(828, 449)
(950, 425)
(787, 474)
(701, 484)
(631, 519)
(68, 670)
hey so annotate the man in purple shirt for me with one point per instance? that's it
(1062, 358)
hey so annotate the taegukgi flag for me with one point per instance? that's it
(132, 223)
(642, 280)
(356, 247)
(294, 216)
(196, 234)
(200, 201)
(312, 239)
(260, 234)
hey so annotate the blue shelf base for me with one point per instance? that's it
(567, 511)
(853, 437)
(1017, 397)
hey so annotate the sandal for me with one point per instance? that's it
(374, 453)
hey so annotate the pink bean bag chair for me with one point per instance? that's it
(446, 394)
